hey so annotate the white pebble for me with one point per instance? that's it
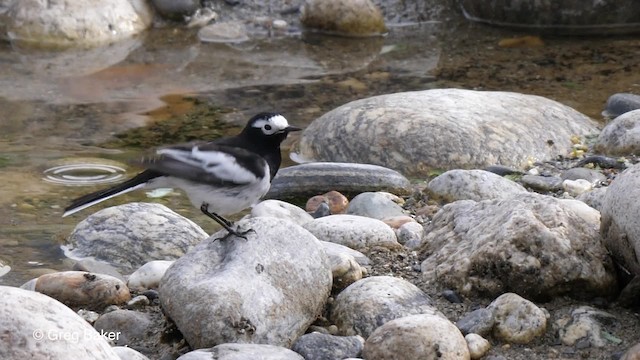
(148, 275)
(279, 24)
(576, 187)
(478, 346)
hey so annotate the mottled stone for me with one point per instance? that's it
(621, 136)
(472, 185)
(375, 205)
(368, 303)
(343, 17)
(356, 232)
(35, 326)
(410, 234)
(127, 325)
(479, 321)
(422, 336)
(266, 289)
(130, 235)
(344, 268)
(282, 210)
(360, 258)
(242, 352)
(584, 324)
(542, 183)
(535, 245)
(415, 132)
(478, 346)
(317, 346)
(517, 320)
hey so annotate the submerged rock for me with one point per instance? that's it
(343, 17)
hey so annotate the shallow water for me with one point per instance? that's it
(59, 107)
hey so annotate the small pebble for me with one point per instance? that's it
(451, 296)
(279, 24)
(577, 187)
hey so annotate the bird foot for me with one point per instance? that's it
(235, 232)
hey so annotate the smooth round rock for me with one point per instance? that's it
(317, 346)
(472, 185)
(356, 232)
(130, 235)
(35, 326)
(176, 9)
(282, 210)
(343, 17)
(79, 23)
(126, 325)
(422, 336)
(267, 288)
(517, 320)
(620, 103)
(242, 352)
(621, 136)
(148, 276)
(368, 303)
(479, 321)
(416, 132)
(478, 346)
(375, 205)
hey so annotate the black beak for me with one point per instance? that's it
(291, 129)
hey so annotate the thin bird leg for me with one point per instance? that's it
(226, 224)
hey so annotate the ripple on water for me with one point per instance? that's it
(84, 174)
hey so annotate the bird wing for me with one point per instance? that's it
(208, 163)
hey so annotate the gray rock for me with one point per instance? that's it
(127, 353)
(310, 179)
(344, 268)
(478, 346)
(592, 176)
(621, 136)
(138, 302)
(478, 321)
(360, 258)
(414, 132)
(35, 326)
(176, 9)
(416, 337)
(266, 289)
(472, 185)
(594, 198)
(347, 18)
(410, 234)
(282, 210)
(127, 325)
(620, 103)
(242, 352)
(317, 346)
(368, 303)
(76, 22)
(542, 183)
(517, 320)
(584, 324)
(376, 205)
(93, 266)
(619, 227)
(356, 232)
(130, 235)
(148, 276)
(535, 245)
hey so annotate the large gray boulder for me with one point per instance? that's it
(414, 132)
(534, 245)
(266, 289)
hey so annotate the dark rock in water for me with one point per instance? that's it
(620, 103)
(502, 170)
(176, 9)
(568, 17)
(310, 179)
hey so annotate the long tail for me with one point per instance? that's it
(134, 183)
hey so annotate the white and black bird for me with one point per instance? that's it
(220, 177)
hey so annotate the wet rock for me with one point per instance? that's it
(344, 268)
(410, 234)
(422, 336)
(535, 245)
(127, 353)
(133, 234)
(79, 23)
(35, 326)
(360, 258)
(224, 32)
(517, 320)
(79, 288)
(593, 198)
(478, 346)
(356, 232)
(584, 324)
(479, 321)
(620, 103)
(414, 132)
(368, 303)
(347, 18)
(592, 176)
(309, 179)
(148, 275)
(472, 185)
(282, 210)
(317, 346)
(376, 205)
(621, 136)
(620, 228)
(542, 183)
(268, 288)
(571, 17)
(127, 326)
(93, 266)
(242, 351)
(336, 202)
(176, 9)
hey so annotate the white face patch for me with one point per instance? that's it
(272, 125)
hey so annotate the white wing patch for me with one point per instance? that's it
(277, 122)
(220, 164)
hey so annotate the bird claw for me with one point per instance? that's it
(235, 232)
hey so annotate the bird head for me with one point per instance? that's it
(271, 127)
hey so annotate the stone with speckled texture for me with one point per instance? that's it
(354, 231)
(415, 132)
